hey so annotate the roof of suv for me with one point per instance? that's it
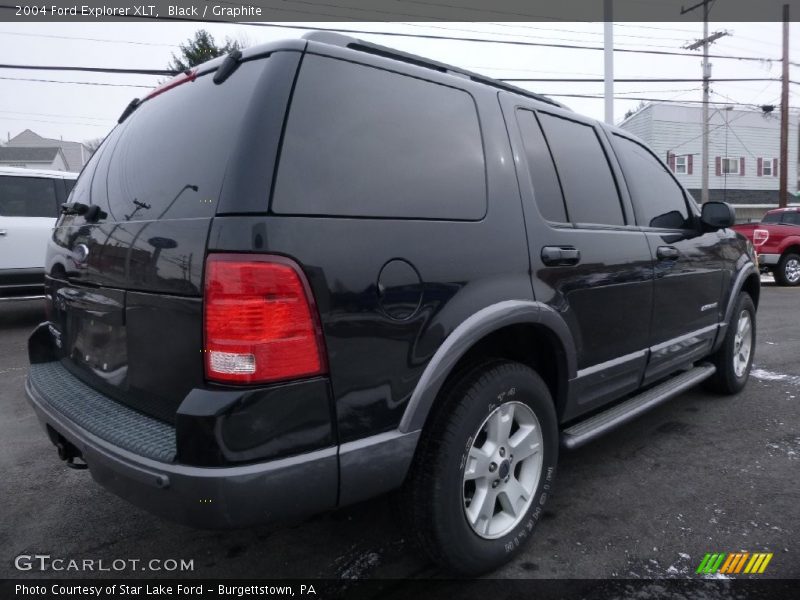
(356, 45)
(337, 39)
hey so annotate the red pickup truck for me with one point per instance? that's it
(777, 241)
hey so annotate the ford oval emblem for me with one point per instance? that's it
(81, 253)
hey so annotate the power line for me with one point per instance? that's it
(87, 39)
(75, 82)
(91, 69)
(491, 41)
(660, 100)
(82, 117)
(511, 79)
(634, 80)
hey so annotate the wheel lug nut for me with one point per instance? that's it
(495, 483)
(502, 451)
(492, 467)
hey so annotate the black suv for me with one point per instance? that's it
(306, 274)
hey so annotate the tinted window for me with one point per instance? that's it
(366, 142)
(772, 218)
(546, 188)
(589, 188)
(791, 218)
(28, 197)
(167, 160)
(657, 199)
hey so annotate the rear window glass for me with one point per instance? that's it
(772, 218)
(362, 141)
(168, 159)
(28, 197)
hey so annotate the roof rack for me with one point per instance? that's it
(344, 41)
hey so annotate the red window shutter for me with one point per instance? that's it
(689, 164)
(774, 167)
(759, 167)
(719, 165)
(741, 166)
(671, 161)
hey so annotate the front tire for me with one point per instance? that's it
(788, 271)
(484, 468)
(734, 358)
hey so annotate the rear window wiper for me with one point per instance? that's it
(90, 212)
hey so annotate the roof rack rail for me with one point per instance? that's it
(344, 41)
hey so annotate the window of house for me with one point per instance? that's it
(730, 166)
(766, 167)
(680, 165)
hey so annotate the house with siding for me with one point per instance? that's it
(50, 158)
(75, 154)
(744, 151)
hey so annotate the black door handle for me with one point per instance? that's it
(560, 256)
(667, 252)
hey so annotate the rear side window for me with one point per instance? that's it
(589, 188)
(772, 218)
(168, 159)
(658, 200)
(791, 218)
(28, 197)
(362, 141)
(546, 189)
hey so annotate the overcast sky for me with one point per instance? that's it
(81, 112)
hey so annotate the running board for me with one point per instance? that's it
(603, 422)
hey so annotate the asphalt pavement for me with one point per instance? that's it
(702, 473)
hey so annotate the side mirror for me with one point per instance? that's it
(717, 215)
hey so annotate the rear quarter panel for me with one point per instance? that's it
(375, 360)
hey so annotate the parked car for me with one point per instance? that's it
(319, 270)
(777, 241)
(29, 205)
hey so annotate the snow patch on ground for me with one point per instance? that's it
(765, 375)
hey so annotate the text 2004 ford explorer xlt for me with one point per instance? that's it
(319, 270)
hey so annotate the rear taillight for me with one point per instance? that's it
(261, 323)
(186, 76)
(760, 236)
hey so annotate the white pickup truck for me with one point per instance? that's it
(29, 206)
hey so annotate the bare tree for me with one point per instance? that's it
(93, 144)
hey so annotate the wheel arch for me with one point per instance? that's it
(526, 331)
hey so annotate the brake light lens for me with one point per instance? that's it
(261, 323)
(760, 237)
(186, 76)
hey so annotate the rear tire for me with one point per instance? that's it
(734, 358)
(787, 272)
(471, 503)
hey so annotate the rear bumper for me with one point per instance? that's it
(769, 259)
(205, 497)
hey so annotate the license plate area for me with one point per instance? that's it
(93, 325)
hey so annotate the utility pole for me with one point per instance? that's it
(784, 168)
(608, 59)
(706, 79)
